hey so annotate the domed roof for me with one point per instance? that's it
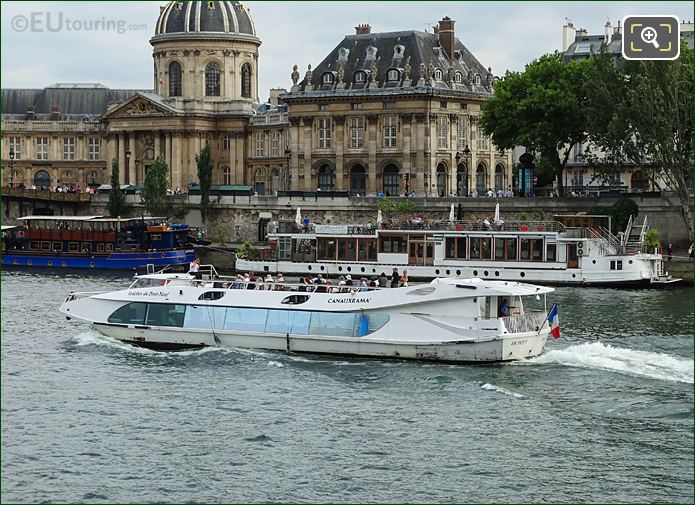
(217, 18)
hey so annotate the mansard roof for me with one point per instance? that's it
(77, 102)
(403, 52)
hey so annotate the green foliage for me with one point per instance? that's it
(246, 250)
(117, 205)
(523, 216)
(642, 114)
(154, 190)
(621, 211)
(388, 206)
(205, 164)
(541, 108)
(652, 239)
(539, 215)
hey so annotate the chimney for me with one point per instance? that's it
(55, 113)
(31, 113)
(435, 29)
(274, 94)
(607, 32)
(567, 35)
(363, 29)
(580, 33)
(447, 39)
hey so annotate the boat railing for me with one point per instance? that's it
(530, 321)
(478, 225)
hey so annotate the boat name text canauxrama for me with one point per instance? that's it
(349, 300)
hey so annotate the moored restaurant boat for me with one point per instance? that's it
(571, 250)
(95, 242)
(454, 320)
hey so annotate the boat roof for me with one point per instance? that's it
(497, 287)
(98, 219)
(5, 228)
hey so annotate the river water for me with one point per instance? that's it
(604, 415)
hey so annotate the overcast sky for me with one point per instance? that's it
(503, 35)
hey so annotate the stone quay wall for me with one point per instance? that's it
(236, 219)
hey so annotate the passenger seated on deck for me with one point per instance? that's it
(504, 309)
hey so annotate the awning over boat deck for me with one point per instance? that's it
(8, 228)
(493, 288)
(58, 218)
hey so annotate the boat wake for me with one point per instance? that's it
(95, 338)
(616, 359)
(491, 387)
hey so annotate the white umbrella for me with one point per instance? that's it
(452, 214)
(298, 217)
(379, 218)
(497, 219)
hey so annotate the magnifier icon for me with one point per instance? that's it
(649, 36)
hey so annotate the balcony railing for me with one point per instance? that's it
(52, 126)
(37, 194)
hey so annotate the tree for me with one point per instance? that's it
(204, 162)
(154, 192)
(117, 203)
(541, 108)
(642, 114)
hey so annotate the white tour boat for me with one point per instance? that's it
(572, 250)
(454, 320)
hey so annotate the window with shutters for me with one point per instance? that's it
(275, 143)
(260, 148)
(324, 133)
(94, 149)
(390, 131)
(442, 132)
(16, 147)
(68, 149)
(356, 132)
(42, 148)
(463, 133)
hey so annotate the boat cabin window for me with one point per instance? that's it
(165, 314)
(456, 247)
(326, 249)
(366, 250)
(148, 283)
(211, 295)
(285, 248)
(531, 249)
(551, 252)
(505, 249)
(481, 248)
(304, 250)
(347, 249)
(295, 299)
(393, 244)
(131, 313)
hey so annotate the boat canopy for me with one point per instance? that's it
(497, 287)
(7, 228)
(97, 219)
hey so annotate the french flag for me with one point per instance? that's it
(554, 321)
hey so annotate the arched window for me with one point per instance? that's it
(458, 77)
(212, 80)
(175, 79)
(392, 75)
(325, 178)
(358, 180)
(477, 79)
(438, 74)
(480, 179)
(461, 180)
(441, 180)
(246, 80)
(227, 176)
(94, 178)
(42, 179)
(499, 177)
(391, 181)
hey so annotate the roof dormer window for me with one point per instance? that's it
(328, 78)
(477, 79)
(360, 76)
(211, 6)
(343, 54)
(398, 51)
(393, 75)
(438, 75)
(178, 6)
(371, 53)
(458, 77)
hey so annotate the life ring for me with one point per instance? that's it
(64, 264)
(50, 263)
(91, 264)
(20, 234)
(28, 263)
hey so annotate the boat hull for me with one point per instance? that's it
(114, 261)
(507, 348)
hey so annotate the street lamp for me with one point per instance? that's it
(126, 169)
(11, 167)
(288, 176)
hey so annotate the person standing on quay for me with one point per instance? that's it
(690, 252)
(395, 278)
(669, 250)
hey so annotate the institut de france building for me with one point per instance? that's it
(388, 113)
